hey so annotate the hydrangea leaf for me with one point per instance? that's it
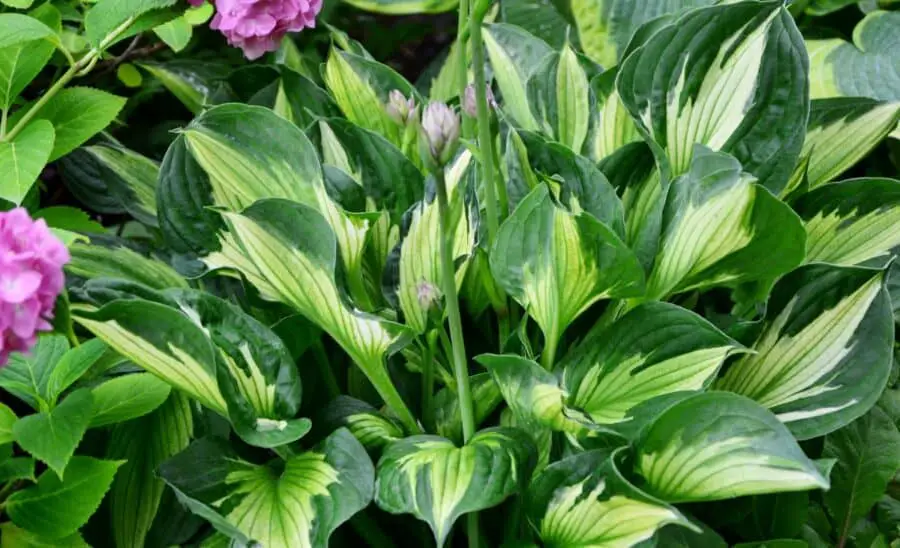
(127, 397)
(27, 376)
(298, 502)
(716, 445)
(19, 64)
(731, 77)
(23, 158)
(52, 436)
(436, 481)
(824, 354)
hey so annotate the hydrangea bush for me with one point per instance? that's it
(608, 274)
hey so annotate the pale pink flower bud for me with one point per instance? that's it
(257, 26)
(440, 126)
(427, 294)
(469, 104)
(401, 109)
(31, 278)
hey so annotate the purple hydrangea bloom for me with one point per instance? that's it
(31, 278)
(257, 26)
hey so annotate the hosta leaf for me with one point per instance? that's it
(91, 261)
(869, 67)
(431, 478)
(23, 158)
(542, 19)
(295, 502)
(127, 397)
(583, 500)
(731, 77)
(515, 55)
(614, 128)
(305, 100)
(404, 7)
(867, 452)
(717, 445)
(373, 429)
(192, 82)
(852, 222)
(485, 399)
(606, 26)
(824, 354)
(284, 248)
(557, 264)
(418, 265)
(131, 177)
(560, 98)
(57, 508)
(27, 376)
(721, 228)
(841, 132)
(137, 491)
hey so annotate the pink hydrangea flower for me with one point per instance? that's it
(196, 3)
(257, 26)
(31, 278)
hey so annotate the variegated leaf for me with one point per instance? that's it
(720, 227)
(824, 354)
(560, 98)
(716, 445)
(96, 261)
(612, 127)
(373, 429)
(731, 77)
(295, 502)
(583, 500)
(436, 481)
(485, 399)
(131, 177)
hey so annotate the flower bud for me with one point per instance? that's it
(401, 109)
(427, 294)
(439, 137)
(469, 104)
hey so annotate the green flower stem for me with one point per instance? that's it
(462, 62)
(428, 381)
(451, 302)
(551, 340)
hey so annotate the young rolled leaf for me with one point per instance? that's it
(731, 77)
(373, 429)
(824, 354)
(716, 445)
(852, 222)
(560, 98)
(583, 500)
(613, 127)
(284, 249)
(720, 227)
(431, 478)
(557, 264)
(296, 502)
(485, 399)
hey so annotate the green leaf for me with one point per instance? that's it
(515, 55)
(556, 264)
(17, 4)
(404, 7)
(108, 16)
(68, 219)
(606, 26)
(71, 366)
(53, 436)
(841, 132)
(824, 354)
(17, 468)
(55, 508)
(7, 420)
(485, 399)
(176, 33)
(14, 537)
(137, 491)
(127, 397)
(749, 98)
(19, 64)
(869, 67)
(17, 28)
(96, 261)
(867, 453)
(560, 98)
(583, 500)
(77, 114)
(852, 222)
(190, 81)
(431, 478)
(715, 446)
(129, 176)
(27, 376)
(373, 429)
(542, 19)
(719, 227)
(295, 502)
(614, 127)
(23, 159)
(273, 238)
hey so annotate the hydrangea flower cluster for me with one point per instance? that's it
(257, 26)
(31, 278)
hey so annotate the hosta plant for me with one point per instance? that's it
(620, 287)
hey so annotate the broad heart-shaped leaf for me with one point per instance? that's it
(373, 429)
(515, 55)
(731, 77)
(53, 436)
(137, 490)
(361, 86)
(284, 249)
(583, 500)
(27, 376)
(868, 456)
(295, 502)
(841, 132)
(23, 158)
(57, 508)
(431, 478)
(720, 227)
(21, 63)
(869, 67)
(852, 222)
(560, 98)
(606, 26)
(417, 257)
(824, 354)
(716, 445)
(91, 261)
(557, 264)
(127, 397)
